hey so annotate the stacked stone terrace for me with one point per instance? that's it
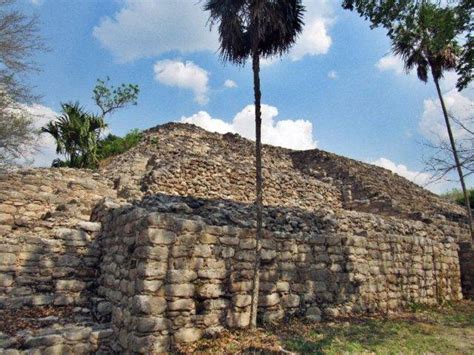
(49, 258)
(167, 256)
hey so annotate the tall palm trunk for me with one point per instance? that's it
(456, 157)
(259, 183)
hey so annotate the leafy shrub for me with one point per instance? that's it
(457, 196)
(113, 145)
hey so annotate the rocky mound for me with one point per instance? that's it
(184, 160)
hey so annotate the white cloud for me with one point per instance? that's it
(230, 84)
(46, 145)
(314, 40)
(332, 75)
(419, 178)
(204, 120)
(391, 62)
(460, 105)
(36, 2)
(146, 28)
(293, 134)
(185, 75)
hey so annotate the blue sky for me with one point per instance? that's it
(337, 89)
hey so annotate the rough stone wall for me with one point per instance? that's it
(172, 268)
(48, 254)
(370, 188)
(172, 277)
(466, 259)
(70, 339)
(184, 160)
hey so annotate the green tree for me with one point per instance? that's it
(76, 133)
(113, 145)
(424, 35)
(256, 29)
(390, 14)
(109, 98)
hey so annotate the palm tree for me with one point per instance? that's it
(427, 41)
(255, 29)
(76, 133)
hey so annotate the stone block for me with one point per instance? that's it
(179, 290)
(208, 239)
(186, 304)
(6, 280)
(269, 300)
(58, 349)
(154, 269)
(77, 333)
(149, 344)
(210, 291)
(150, 324)
(291, 300)
(45, 340)
(217, 274)
(241, 301)
(148, 285)
(156, 236)
(70, 285)
(241, 286)
(187, 335)
(6, 218)
(231, 241)
(313, 314)
(7, 259)
(227, 252)
(89, 226)
(238, 319)
(267, 255)
(144, 304)
(181, 276)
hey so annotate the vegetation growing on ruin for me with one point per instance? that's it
(113, 145)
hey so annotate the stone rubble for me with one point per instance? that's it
(157, 245)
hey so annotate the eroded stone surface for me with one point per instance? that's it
(174, 259)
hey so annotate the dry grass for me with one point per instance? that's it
(442, 330)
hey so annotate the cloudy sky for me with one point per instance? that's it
(338, 89)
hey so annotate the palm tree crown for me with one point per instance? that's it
(261, 27)
(76, 133)
(427, 41)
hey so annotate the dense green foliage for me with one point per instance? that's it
(113, 145)
(427, 42)
(76, 133)
(456, 22)
(457, 196)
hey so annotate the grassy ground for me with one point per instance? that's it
(444, 330)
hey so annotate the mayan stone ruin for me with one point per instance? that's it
(156, 248)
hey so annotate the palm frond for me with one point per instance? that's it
(267, 27)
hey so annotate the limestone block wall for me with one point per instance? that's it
(172, 277)
(48, 254)
(69, 339)
(466, 259)
(57, 268)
